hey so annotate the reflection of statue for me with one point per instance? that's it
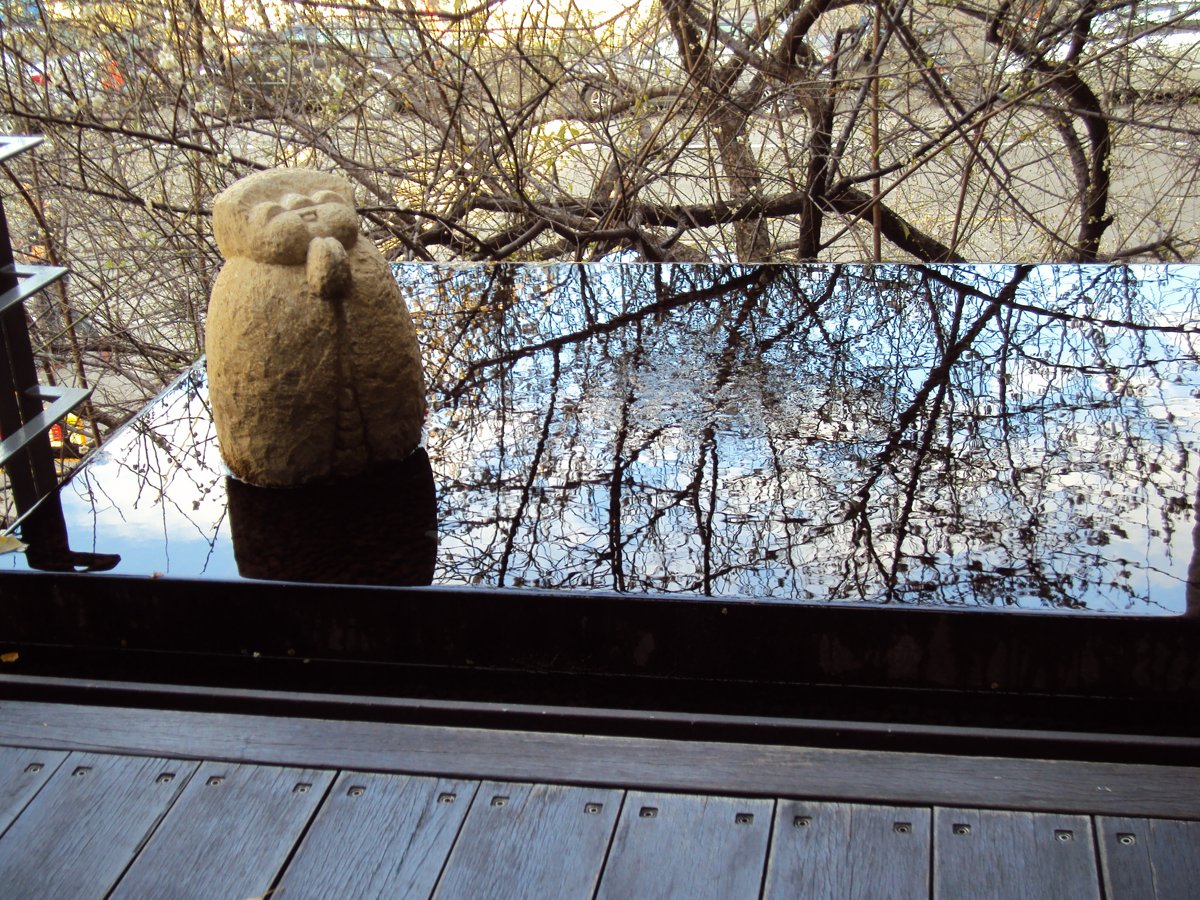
(313, 364)
(376, 528)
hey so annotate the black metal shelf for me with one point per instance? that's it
(25, 450)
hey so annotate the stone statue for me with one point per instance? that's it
(314, 370)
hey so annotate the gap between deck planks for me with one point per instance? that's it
(707, 767)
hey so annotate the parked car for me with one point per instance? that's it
(20, 69)
(264, 73)
(67, 77)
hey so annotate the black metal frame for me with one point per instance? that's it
(909, 678)
(22, 419)
(25, 422)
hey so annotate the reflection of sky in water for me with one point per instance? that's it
(155, 492)
(734, 432)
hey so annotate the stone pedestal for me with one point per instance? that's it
(376, 528)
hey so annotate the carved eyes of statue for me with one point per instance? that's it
(294, 201)
(267, 210)
(262, 213)
(329, 197)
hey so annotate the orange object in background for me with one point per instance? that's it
(113, 80)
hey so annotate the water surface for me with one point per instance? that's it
(956, 436)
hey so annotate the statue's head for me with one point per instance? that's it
(273, 216)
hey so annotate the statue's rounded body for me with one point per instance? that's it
(314, 370)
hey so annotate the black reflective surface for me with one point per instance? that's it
(954, 436)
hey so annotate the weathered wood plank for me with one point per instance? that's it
(228, 834)
(86, 824)
(675, 845)
(837, 850)
(531, 841)
(1144, 859)
(986, 853)
(22, 774)
(698, 766)
(378, 836)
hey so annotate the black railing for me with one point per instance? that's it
(25, 420)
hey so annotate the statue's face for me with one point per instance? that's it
(289, 222)
(274, 216)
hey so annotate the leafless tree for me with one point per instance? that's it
(745, 130)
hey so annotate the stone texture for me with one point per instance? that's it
(314, 370)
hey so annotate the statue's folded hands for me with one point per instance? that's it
(328, 268)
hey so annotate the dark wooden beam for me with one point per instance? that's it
(715, 767)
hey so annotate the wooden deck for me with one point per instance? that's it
(99, 801)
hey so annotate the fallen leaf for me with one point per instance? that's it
(9, 544)
(11, 656)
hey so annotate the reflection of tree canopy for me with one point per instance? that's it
(994, 436)
(731, 131)
(163, 467)
(963, 436)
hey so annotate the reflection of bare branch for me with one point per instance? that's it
(616, 480)
(717, 448)
(1157, 327)
(989, 451)
(532, 475)
(935, 380)
(738, 281)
